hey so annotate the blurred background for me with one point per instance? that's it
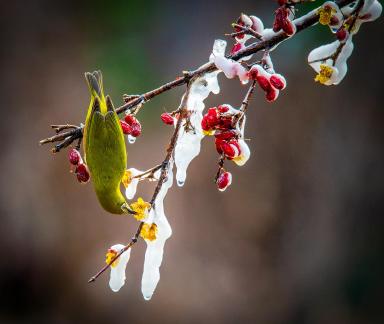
(297, 238)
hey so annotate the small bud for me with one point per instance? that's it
(289, 27)
(167, 118)
(272, 95)
(341, 34)
(237, 47)
(127, 129)
(136, 129)
(74, 157)
(278, 81)
(263, 82)
(130, 119)
(82, 173)
(224, 181)
(226, 135)
(222, 109)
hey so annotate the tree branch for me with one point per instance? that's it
(301, 23)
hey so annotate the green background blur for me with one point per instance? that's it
(297, 238)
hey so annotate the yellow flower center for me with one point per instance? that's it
(209, 132)
(325, 14)
(127, 178)
(140, 207)
(324, 74)
(149, 231)
(111, 254)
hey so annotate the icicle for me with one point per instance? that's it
(131, 139)
(189, 142)
(155, 249)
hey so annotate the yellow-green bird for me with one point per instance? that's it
(104, 147)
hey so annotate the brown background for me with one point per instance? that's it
(297, 238)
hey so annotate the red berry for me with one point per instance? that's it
(281, 2)
(167, 118)
(341, 34)
(277, 81)
(230, 149)
(218, 143)
(237, 47)
(74, 157)
(226, 135)
(272, 94)
(263, 82)
(224, 181)
(288, 27)
(223, 109)
(82, 173)
(136, 129)
(127, 129)
(253, 73)
(204, 123)
(225, 123)
(130, 119)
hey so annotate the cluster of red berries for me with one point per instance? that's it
(81, 169)
(282, 19)
(218, 121)
(131, 126)
(271, 83)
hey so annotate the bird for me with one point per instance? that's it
(104, 147)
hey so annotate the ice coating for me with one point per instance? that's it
(340, 67)
(117, 278)
(371, 11)
(131, 139)
(244, 155)
(231, 68)
(155, 249)
(189, 141)
(130, 191)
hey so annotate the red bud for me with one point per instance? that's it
(130, 119)
(263, 82)
(136, 129)
(82, 173)
(277, 81)
(127, 129)
(224, 181)
(167, 118)
(74, 157)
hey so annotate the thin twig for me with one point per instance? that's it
(244, 104)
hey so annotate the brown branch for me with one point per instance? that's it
(162, 179)
(244, 104)
(245, 30)
(301, 23)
